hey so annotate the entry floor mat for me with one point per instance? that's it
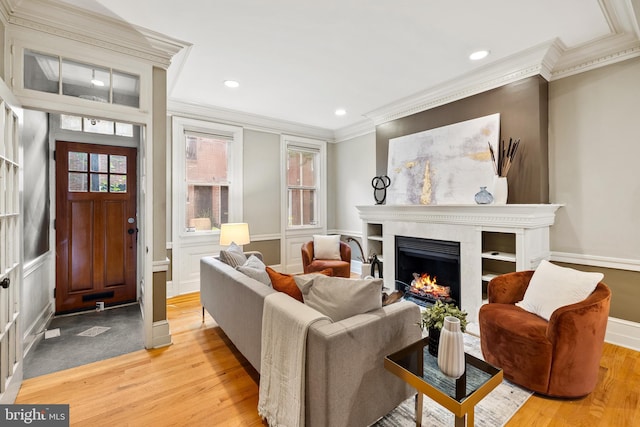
(85, 338)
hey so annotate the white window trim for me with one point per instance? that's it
(321, 148)
(182, 125)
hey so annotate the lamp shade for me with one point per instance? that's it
(237, 232)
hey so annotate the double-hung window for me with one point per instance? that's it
(207, 177)
(304, 180)
(207, 181)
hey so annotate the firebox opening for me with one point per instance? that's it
(428, 270)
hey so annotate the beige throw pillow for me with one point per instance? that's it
(340, 298)
(233, 256)
(552, 287)
(326, 247)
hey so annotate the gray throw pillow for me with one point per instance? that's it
(255, 269)
(340, 298)
(233, 256)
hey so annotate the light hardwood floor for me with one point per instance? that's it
(202, 380)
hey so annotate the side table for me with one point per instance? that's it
(414, 365)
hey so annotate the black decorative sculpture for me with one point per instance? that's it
(380, 185)
(376, 264)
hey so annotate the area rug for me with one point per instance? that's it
(494, 410)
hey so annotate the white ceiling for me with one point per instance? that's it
(299, 61)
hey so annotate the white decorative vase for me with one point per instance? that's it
(451, 348)
(365, 271)
(500, 190)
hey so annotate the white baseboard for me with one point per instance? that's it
(623, 333)
(161, 334)
(619, 332)
(35, 332)
(186, 287)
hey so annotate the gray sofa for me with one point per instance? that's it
(346, 382)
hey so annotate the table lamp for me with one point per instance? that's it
(237, 232)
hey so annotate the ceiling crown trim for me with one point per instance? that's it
(531, 62)
(246, 120)
(552, 60)
(73, 23)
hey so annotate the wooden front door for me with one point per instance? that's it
(96, 228)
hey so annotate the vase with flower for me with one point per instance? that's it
(502, 161)
(433, 319)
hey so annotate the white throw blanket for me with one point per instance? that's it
(282, 363)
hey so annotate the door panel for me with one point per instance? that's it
(116, 217)
(11, 272)
(80, 246)
(96, 243)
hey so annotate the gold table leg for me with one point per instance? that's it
(466, 420)
(419, 398)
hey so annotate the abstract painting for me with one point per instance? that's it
(445, 165)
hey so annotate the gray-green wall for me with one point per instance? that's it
(594, 152)
(261, 199)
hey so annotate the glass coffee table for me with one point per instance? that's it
(418, 368)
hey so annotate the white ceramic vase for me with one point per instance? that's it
(500, 190)
(451, 348)
(366, 270)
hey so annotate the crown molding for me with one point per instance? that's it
(355, 130)
(596, 54)
(67, 21)
(6, 9)
(246, 120)
(622, 43)
(552, 60)
(516, 67)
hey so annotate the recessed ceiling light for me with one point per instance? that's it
(231, 83)
(340, 112)
(478, 55)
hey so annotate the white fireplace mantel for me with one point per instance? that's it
(519, 216)
(529, 225)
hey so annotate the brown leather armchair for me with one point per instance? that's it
(558, 358)
(341, 268)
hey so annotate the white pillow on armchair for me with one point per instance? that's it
(552, 287)
(326, 247)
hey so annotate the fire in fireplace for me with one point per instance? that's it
(428, 270)
(426, 287)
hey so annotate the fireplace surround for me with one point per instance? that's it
(428, 270)
(466, 225)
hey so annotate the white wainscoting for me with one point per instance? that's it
(292, 260)
(186, 262)
(37, 305)
(597, 261)
(619, 331)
